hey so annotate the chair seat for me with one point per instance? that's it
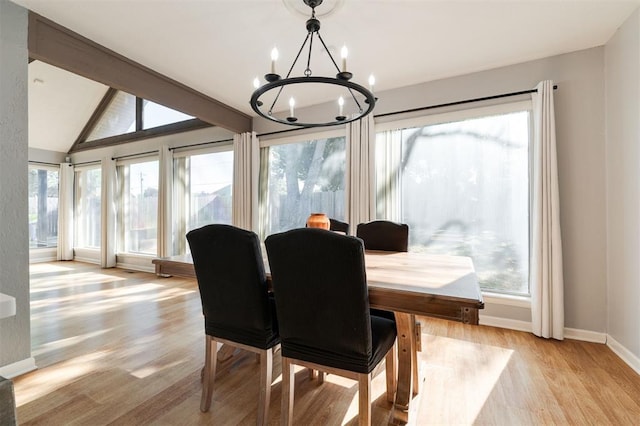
(383, 334)
(258, 338)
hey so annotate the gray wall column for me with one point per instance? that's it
(15, 334)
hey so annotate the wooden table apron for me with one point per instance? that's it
(408, 284)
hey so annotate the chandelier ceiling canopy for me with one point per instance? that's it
(271, 100)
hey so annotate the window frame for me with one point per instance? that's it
(123, 210)
(180, 197)
(468, 112)
(78, 201)
(81, 143)
(48, 168)
(264, 146)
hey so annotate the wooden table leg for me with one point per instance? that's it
(406, 343)
(414, 356)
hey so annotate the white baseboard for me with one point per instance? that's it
(86, 260)
(510, 324)
(86, 255)
(625, 354)
(569, 333)
(585, 335)
(136, 267)
(43, 255)
(135, 262)
(18, 368)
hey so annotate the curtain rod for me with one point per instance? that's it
(134, 155)
(44, 163)
(201, 144)
(87, 162)
(283, 131)
(466, 101)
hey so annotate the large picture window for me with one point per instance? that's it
(43, 207)
(299, 178)
(461, 183)
(202, 189)
(138, 225)
(88, 187)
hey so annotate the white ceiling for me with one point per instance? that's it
(219, 46)
(60, 104)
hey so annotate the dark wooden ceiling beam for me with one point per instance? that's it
(56, 45)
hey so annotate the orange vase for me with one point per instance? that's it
(318, 220)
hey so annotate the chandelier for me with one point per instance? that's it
(353, 100)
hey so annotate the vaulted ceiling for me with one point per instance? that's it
(219, 46)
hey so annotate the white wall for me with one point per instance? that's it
(622, 81)
(579, 103)
(15, 340)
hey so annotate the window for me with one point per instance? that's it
(138, 182)
(121, 116)
(118, 119)
(300, 178)
(461, 183)
(154, 115)
(88, 193)
(43, 207)
(202, 191)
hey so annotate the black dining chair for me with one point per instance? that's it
(384, 235)
(238, 309)
(320, 286)
(336, 225)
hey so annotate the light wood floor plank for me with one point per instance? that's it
(126, 348)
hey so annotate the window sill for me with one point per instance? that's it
(506, 299)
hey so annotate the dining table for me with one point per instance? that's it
(408, 284)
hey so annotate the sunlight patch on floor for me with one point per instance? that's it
(70, 282)
(149, 370)
(65, 343)
(43, 382)
(482, 366)
(44, 268)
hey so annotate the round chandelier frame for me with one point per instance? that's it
(275, 83)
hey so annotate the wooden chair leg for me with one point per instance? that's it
(391, 373)
(266, 364)
(288, 389)
(364, 399)
(316, 374)
(209, 374)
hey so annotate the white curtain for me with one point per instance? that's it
(165, 181)
(65, 212)
(246, 165)
(547, 300)
(360, 171)
(388, 160)
(108, 218)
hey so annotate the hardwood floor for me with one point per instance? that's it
(126, 348)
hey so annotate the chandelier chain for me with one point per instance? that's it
(289, 73)
(308, 72)
(338, 69)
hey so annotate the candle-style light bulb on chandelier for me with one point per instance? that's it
(355, 103)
